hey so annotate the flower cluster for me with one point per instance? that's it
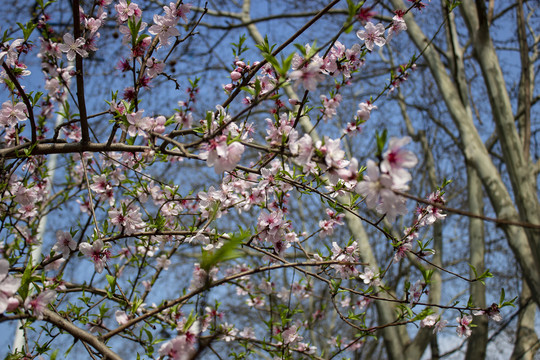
(382, 181)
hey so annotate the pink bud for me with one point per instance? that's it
(294, 102)
(13, 304)
(228, 87)
(240, 64)
(235, 75)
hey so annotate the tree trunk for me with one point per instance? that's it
(477, 343)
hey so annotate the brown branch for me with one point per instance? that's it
(468, 214)
(168, 304)
(525, 70)
(80, 75)
(277, 51)
(80, 334)
(69, 148)
(25, 100)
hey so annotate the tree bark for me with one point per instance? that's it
(526, 345)
(477, 156)
(477, 343)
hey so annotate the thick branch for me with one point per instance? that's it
(25, 100)
(78, 333)
(80, 75)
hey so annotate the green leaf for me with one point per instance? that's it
(112, 283)
(424, 313)
(54, 354)
(272, 60)
(474, 271)
(427, 275)
(227, 252)
(381, 141)
(26, 279)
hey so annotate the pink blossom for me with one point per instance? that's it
(220, 155)
(163, 262)
(64, 243)
(330, 106)
(200, 276)
(378, 190)
(347, 254)
(402, 250)
(248, 333)
(100, 184)
(10, 52)
(129, 218)
(178, 348)
(429, 321)
(164, 28)
(439, 326)
(154, 67)
(415, 292)
(463, 328)
(137, 124)
(229, 332)
(327, 226)
(96, 252)
(256, 302)
(302, 149)
(430, 214)
(72, 47)
(398, 25)
(334, 158)
(278, 130)
(364, 111)
(38, 304)
(25, 195)
(291, 335)
(8, 287)
(372, 35)
(177, 12)
(210, 202)
(332, 62)
(126, 11)
(309, 76)
(92, 24)
(493, 312)
(396, 159)
(121, 317)
(12, 113)
(368, 275)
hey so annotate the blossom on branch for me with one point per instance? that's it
(40, 302)
(64, 243)
(378, 189)
(96, 252)
(372, 35)
(72, 47)
(164, 28)
(222, 156)
(9, 53)
(12, 113)
(463, 328)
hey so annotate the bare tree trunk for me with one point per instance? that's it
(477, 155)
(517, 163)
(477, 344)
(527, 344)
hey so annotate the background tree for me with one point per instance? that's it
(142, 212)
